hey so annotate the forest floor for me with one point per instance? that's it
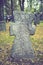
(6, 42)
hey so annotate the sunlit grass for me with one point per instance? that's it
(39, 32)
(5, 37)
(37, 39)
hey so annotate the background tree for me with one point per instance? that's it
(21, 2)
(41, 6)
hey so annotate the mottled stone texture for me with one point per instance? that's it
(22, 28)
(2, 25)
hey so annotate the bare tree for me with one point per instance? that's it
(41, 6)
(21, 2)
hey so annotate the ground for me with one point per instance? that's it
(6, 42)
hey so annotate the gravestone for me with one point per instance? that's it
(2, 26)
(22, 29)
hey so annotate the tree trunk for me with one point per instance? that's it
(21, 2)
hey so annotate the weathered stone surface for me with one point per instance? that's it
(27, 18)
(22, 28)
(2, 25)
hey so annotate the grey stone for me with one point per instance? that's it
(22, 29)
(2, 25)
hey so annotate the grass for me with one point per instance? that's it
(37, 39)
(5, 37)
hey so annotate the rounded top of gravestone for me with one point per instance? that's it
(23, 16)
